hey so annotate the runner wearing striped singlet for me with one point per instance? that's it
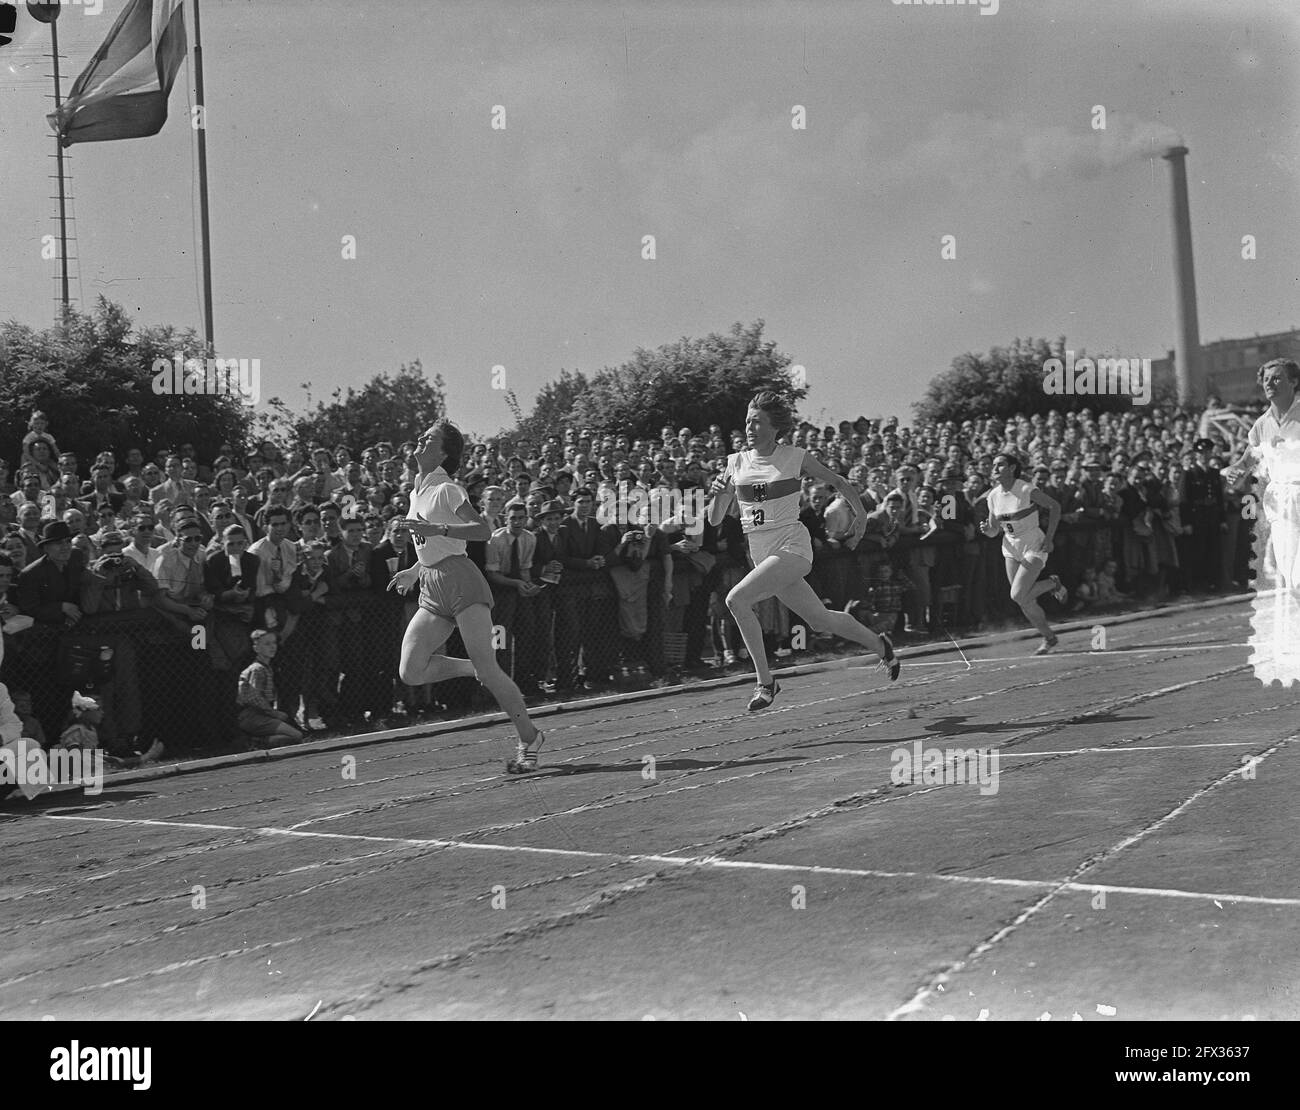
(765, 483)
(1013, 511)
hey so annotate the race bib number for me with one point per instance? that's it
(1009, 528)
(760, 517)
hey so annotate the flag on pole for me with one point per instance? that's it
(123, 93)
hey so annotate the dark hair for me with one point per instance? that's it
(453, 445)
(1016, 465)
(777, 408)
(1290, 366)
(277, 510)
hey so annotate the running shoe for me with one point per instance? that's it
(525, 759)
(888, 659)
(783, 652)
(728, 658)
(764, 695)
(1059, 592)
(1047, 646)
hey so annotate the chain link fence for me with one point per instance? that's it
(161, 677)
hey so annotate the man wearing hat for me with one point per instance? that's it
(49, 589)
(1205, 508)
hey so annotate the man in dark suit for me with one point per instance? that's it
(584, 600)
(49, 591)
(233, 592)
(233, 589)
(395, 550)
(1206, 512)
(49, 588)
(29, 528)
(547, 568)
(102, 492)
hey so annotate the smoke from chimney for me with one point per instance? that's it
(1125, 139)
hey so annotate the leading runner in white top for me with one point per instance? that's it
(442, 519)
(1013, 510)
(1273, 451)
(765, 482)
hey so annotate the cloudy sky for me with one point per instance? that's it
(522, 247)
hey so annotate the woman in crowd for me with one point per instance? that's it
(764, 480)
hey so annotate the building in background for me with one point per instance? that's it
(1230, 365)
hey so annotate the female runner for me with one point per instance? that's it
(1013, 511)
(1273, 451)
(765, 482)
(453, 592)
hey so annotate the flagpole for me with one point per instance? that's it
(49, 13)
(201, 124)
(58, 146)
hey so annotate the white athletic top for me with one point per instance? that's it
(435, 499)
(767, 487)
(1014, 509)
(1276, 444)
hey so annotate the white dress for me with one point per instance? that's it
(1275, 634)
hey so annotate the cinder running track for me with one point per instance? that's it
(1126, 867)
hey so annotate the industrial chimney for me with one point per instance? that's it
(1191, 380)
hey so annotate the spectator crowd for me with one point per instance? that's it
(243, 599)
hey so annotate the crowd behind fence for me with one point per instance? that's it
(141, 581)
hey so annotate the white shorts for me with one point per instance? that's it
(790, 540)
(1026, 548)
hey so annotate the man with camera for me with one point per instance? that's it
(118, 596)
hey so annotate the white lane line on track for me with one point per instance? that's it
(1118, 653)
(917, 1002)
(1133, 748)
(732, 864)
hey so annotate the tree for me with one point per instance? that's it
(552, 409)
(692, 382)
(93, 378)
(394, 408)
(1004, 382)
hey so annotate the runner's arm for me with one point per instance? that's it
(824, 474)
(474, 527)
(1053, 507)
(722, 498)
